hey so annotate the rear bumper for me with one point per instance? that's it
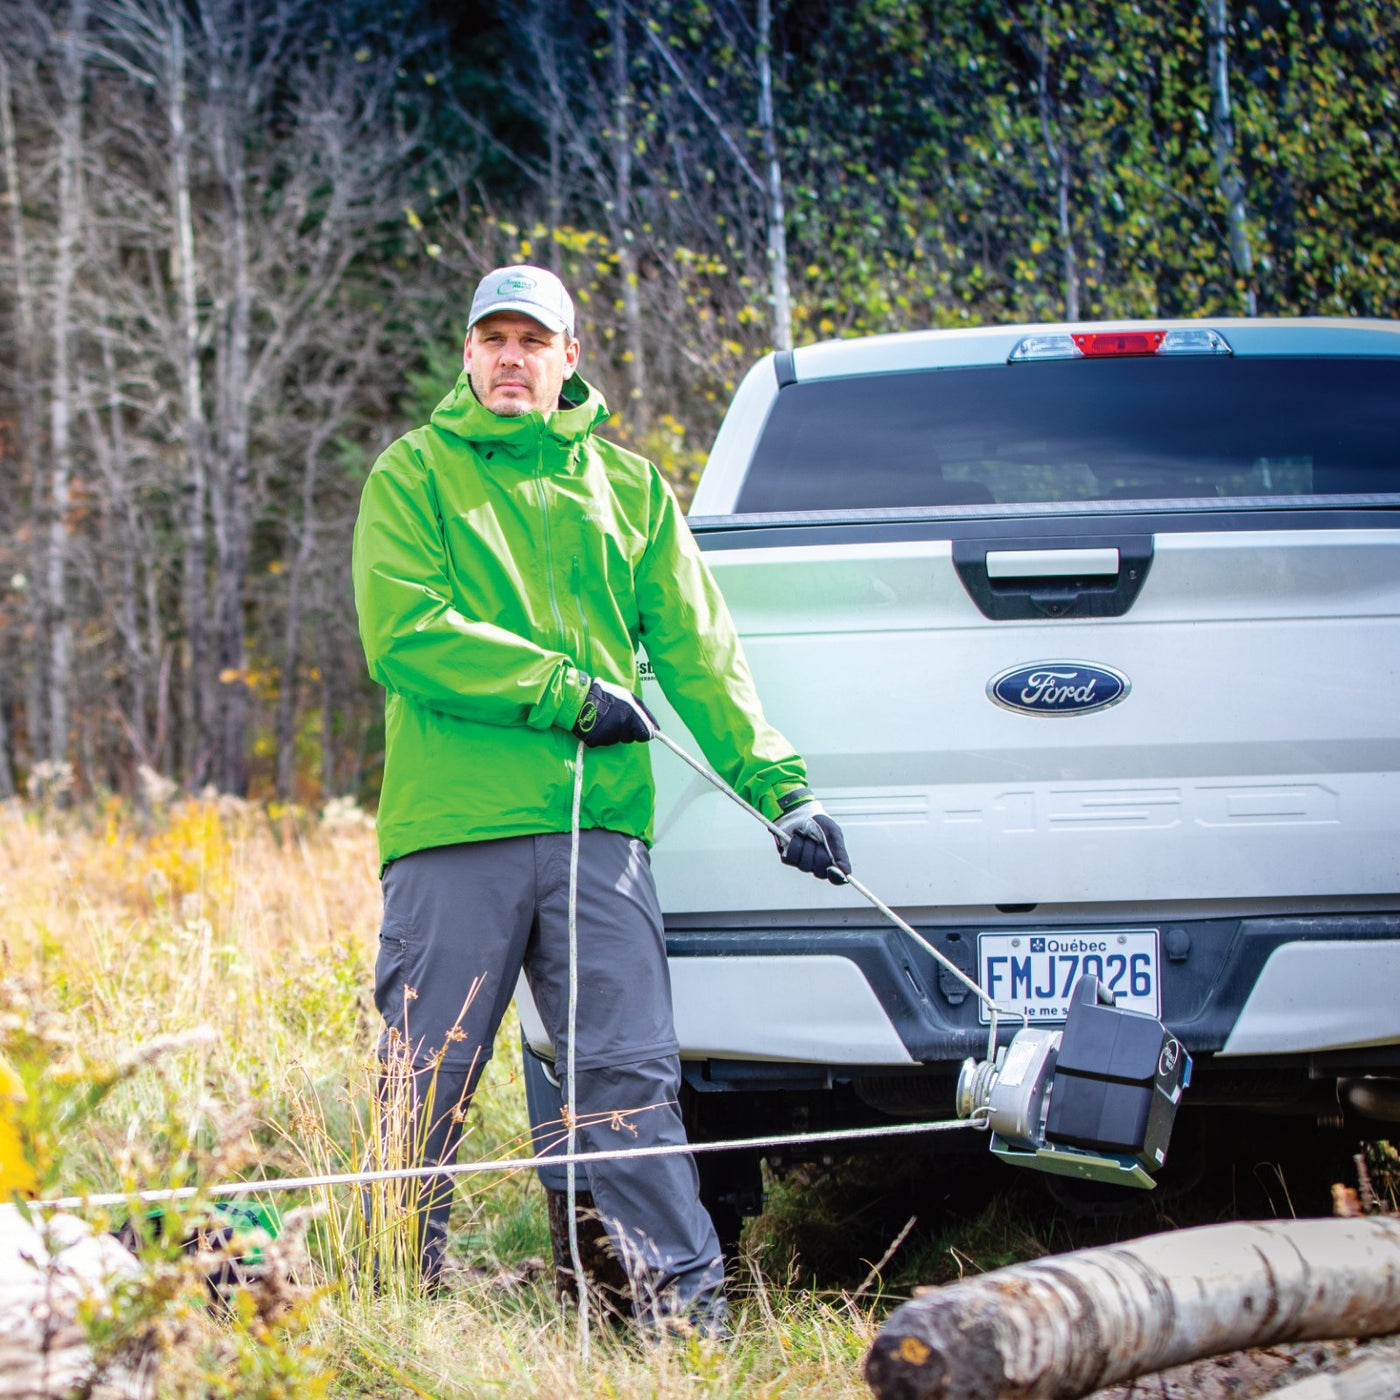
(1277, 985)
(1296, 985)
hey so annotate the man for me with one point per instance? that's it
(507, 565)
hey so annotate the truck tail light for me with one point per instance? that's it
(1070, 345)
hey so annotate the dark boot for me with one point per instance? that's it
(651, 1205)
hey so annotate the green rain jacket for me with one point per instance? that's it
(499, 565)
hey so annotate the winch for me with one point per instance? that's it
(1095, 1099)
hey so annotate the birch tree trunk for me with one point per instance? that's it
(767, 183)
(27, 407)
(61, 405)
(554, 197)
(635, 358)
(199, 705)
(1069, 261)
(230, 490)
(125, 531)
(1067, 1325)
(291, 630)
(339, 401)
(1222, 135)
(773, 183)
(1057, 151)
(297, 573)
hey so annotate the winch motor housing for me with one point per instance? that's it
(1094, 1100)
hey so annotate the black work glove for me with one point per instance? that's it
(814, 842)
(611, 715)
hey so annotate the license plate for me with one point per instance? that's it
(1033, 973)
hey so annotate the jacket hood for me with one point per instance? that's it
(463, 415)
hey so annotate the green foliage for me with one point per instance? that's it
(1382, 1164)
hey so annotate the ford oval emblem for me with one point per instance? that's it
(1058, 688)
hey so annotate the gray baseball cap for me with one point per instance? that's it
(533, 291)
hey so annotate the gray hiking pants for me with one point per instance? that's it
(459, 924)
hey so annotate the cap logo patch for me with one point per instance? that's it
(517, 284)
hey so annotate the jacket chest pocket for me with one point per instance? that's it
(601, 576)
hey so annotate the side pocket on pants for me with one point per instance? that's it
(390, 978)
(391, 965)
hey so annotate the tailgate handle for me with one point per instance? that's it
(1052, 563)
(1020, 579)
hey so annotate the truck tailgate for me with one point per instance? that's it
(1255, 755)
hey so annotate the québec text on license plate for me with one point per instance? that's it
(1033, 972)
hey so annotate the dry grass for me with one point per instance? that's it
(187, 998)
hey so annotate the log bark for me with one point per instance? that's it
(1064, 1326)
(50, 1269)
(1238, 1375)
(1366, 1377)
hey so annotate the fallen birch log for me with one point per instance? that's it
(1067, 1325)
(1362, 1378)
(50, 1268)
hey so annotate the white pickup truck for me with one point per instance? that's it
(1090, 635)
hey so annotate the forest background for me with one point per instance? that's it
(238, 239)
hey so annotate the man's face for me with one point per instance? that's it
(516, 365)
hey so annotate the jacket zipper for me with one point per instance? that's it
(549, 548)
(576, 582)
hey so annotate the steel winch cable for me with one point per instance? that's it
(273, 1185)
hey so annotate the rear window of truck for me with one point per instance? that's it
(1082, 430)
